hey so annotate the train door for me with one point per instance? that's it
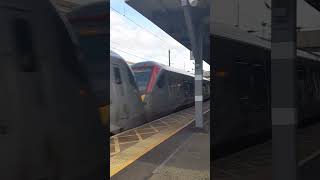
(187, 90)
(258, 118)
(117, 98)
(180, 92)
(172, 88)
(162, 93)
(243, 89)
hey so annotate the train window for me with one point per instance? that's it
(301, 73)
(259, 90)
(142, 76)
(131, 77)
(161, 81)
(117, 76)
(243, 79)
(24, 44)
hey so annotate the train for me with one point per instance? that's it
(119, 103)
(165, 89)
(89, 24)
(126, 109)
(242, 93)
(50, 127)
(122, 105)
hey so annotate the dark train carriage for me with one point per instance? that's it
(47, 114)
(241, 90)
(242, 93)
(89, 24)
(308, 81)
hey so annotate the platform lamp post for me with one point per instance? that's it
(195, 36)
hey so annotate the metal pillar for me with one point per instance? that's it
(196, 43)
(198, 85)
(283, 87)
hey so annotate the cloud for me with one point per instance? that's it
(135, 43)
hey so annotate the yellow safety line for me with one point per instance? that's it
(161, 138)
(114, 171)
(127, 142)
(136, 134)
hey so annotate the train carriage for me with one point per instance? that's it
(242, 90)
(165, 89)
(125, 109)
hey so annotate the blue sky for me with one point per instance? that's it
(137, 39)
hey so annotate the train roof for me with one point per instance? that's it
(114, 54)
(90, 11)
(233, 33)
(162, 66)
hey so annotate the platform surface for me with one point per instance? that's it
(256, 162)
(127, 147)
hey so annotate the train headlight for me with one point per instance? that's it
(142, 97)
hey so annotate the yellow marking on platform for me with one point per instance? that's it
(125, 158)
(122, 159)
(156, 130)
(128, 142)
(139, 136)
(165, 123)
(116, 145)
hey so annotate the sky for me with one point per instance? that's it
(137, 39)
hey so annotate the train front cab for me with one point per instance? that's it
(163, 90)
(126, 110)
(88, 23)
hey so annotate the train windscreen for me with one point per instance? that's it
(94, 53)
(142, 76)
(96, 62)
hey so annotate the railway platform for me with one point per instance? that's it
(256, 162)
(163, 149)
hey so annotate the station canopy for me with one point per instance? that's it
(168, 15)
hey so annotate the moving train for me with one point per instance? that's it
(49, 123)
(125, 108)
(120, 104)
(89, 24)
(242, 93)
(164, 89)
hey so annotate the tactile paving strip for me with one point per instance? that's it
(128, 146)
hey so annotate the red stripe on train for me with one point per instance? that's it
(153, 78)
